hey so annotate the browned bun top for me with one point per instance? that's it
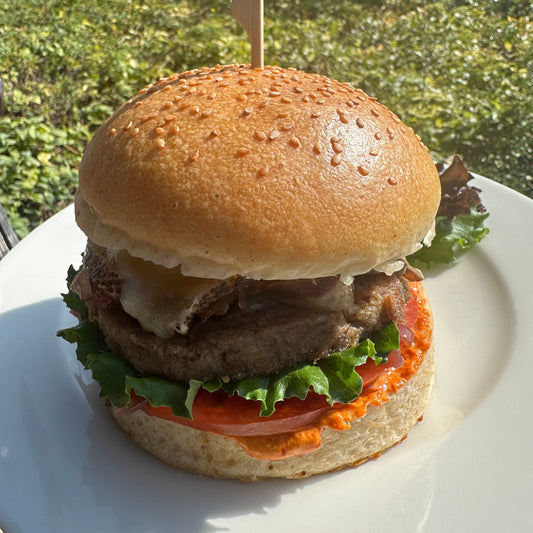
(268, 173)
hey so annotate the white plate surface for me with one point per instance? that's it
(65, 467)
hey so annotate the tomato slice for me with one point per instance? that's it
(235, 416)
(371, 371)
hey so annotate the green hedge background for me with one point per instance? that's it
(458, 71)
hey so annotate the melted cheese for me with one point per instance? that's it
(161, 299)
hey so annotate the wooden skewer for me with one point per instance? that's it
(249, 13)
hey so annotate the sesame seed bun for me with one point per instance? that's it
(268, 173)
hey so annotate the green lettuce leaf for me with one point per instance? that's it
(452, 238)
(89, 339)
(112, 373)
(73, 301)
(459, 223)
(334, 377)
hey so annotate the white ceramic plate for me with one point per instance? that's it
(65, 467)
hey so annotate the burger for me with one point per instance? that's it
(244, 298)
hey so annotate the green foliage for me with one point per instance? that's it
(458, 71)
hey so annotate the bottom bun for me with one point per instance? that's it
(218, 456)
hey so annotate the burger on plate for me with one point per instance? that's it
(244, 298)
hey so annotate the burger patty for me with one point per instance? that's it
(245, 328)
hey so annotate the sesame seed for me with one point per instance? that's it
(274, 134)
(336, 160)
(263, 171)
(166, 88)
(170, 118)
(194, 110)
(283, 114)
(274, 93)
(359, 122)
(285, 100)
(377, 135)
(194, 155)
(373, 152)
(214, 133)
(135, 131)
(349, 103)
(112, 132)
(287, 126)
(335, 139)
(306, 99)
(343, 118)
(295, 142)
(174, 128)
(206, 113)
(337, 148)
(160, 143)
(321, 101)
(242, 97)
(298, 90)
(128, 125)
(159, 131)
(392, 180)
(259, 135)
(315, 114)
(137, 104)
(248, 111)
(363, 170)
(212, 96)
(242, 151)
(318, 148)
(389, 130)
(374, 112)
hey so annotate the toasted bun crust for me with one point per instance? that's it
(269, 173)
(218, 456)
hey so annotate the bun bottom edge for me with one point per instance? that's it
(217, 456)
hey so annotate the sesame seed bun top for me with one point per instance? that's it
(268, 173)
